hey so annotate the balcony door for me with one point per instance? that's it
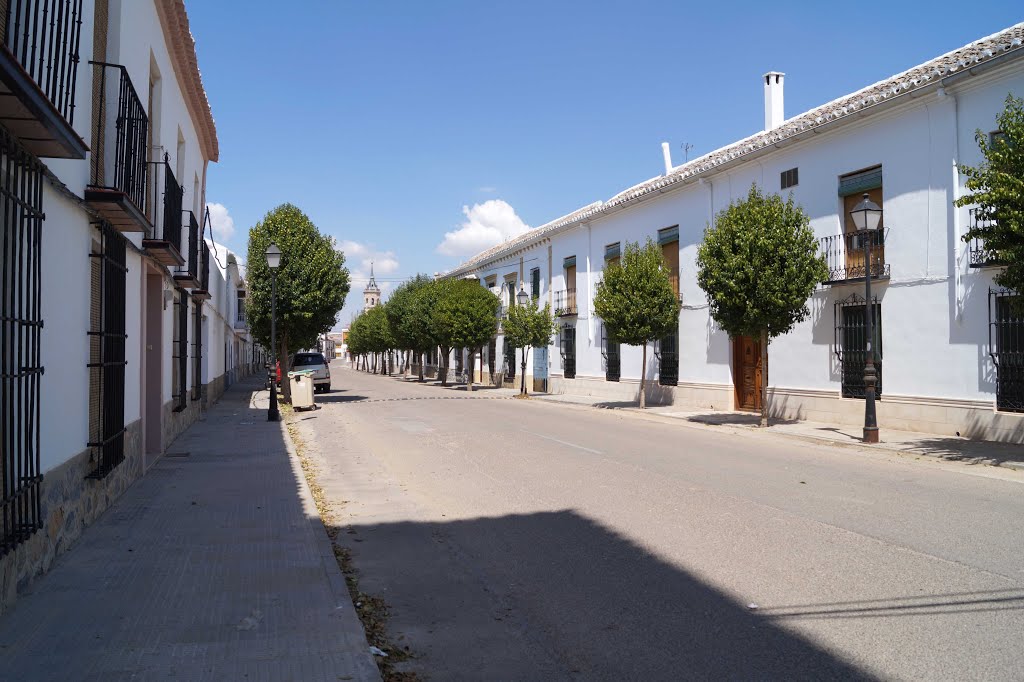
(852, 188)
(746, 372)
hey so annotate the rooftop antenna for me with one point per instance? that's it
(686, 151)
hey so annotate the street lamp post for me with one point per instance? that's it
(273, 262)
(867, 215)
(523, 298)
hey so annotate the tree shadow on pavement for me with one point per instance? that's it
(552, 595)
(332, 398)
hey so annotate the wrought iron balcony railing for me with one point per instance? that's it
(845, 256)
(165, 244)
(118, 182)
(39, 74)
(202, 291)
(565, 302)
(188, 274)
(979, 256)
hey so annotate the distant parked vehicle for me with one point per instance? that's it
(318, 365)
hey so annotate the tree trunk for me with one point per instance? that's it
(764, 377)
(526, 350)
(286, 387)
(643, 380)
(420, 357)
(469, 373)
(443, 367)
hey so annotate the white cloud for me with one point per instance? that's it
(486, 225)
(487, 189)
(221, 221)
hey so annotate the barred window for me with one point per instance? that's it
(510, 360)
(107, 351)
(535, 283)
(611, 354)
(197, 351)
(567, 347)
(21, 323)
(667, 352)
(851, 344)
(179, 379)
(1006, 341)
(790, 178)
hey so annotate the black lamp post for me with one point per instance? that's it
(273, 262)
(523, 298)
(867, 216)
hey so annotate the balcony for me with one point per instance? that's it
(565, 303)
(978, 255)
(117, 185)
(187, 275)
(240, 319)
(201, 291)
(165, 244)
(845, 256)
(39, 75)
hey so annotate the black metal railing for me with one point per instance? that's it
(667, 352)
(107, 367)
(180, 357)
(45, 36)
(191, 267)
(197, 351)
(978, 255)
(120, 149)
(1006, 346)
(21, 325)
(204, 266)
(565, 302)
(169, 228)
(850, 343)
(844, 255)
(611, 352)
(567, 348)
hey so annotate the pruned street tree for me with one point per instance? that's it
(312, 283)
(403, 317)
(379, 340)
(528, 327)
(465, 316)
(636, 301)
(758, 265)
(997, 188)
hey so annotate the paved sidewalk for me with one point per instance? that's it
(213, 566)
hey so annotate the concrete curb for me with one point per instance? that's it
(345, 609)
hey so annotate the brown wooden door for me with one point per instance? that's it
(855, 246)
(747, 372)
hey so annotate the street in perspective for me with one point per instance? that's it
(455, 342)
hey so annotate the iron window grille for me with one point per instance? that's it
(492, 354)
(167, 231)
(510, 361)
(197, 351)
(844, 254)
(1006, 346)
(567, 349)
(128, 136)
(850, 344)
(979, 256)
(610, 351)
(535, 284)
(181, 351)
(188, 273)
(21, 324)
(108, 363)
(45, 37)
(667, 352)
(565, 302)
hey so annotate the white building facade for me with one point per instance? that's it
(951, 348)
(117, 330)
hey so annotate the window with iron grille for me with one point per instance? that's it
(1006, 343)
(667, 352)
(851, 344)
(790, 178)
(107, 351)
(510, 360)
(612, 356)
(567, 347)
(535, 283)
(492, 353)
(197, 351)
(21, 323)
(180, 365)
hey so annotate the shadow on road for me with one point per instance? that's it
(546, 595)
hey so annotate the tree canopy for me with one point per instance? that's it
(528, 327)
(758, 265)
(997, 187)
(312, 281)
(407, 322)
(636, 300)
(465, 315)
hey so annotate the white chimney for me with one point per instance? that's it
(667, 153)
(773, 111)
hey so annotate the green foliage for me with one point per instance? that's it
(529, 326)
(416, 325)
(636, 300)
(402, 314)
(997, 187)
(370, 332)
(465, 314)
(312, 281)
(759, 264)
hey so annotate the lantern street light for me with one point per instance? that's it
(867, 215)
(273, 262)
(522, 298)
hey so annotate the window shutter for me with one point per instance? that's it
(668, 235)
(569, 262)
(613, 251)
(858, 183)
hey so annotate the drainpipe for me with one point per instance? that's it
(942, 94)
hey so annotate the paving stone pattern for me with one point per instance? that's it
(213, 566)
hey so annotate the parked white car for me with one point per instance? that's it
(318, 365)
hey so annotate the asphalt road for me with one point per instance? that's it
(524, 540)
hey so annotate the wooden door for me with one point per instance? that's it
(855, 241)
(747, 373)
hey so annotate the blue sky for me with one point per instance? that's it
(392, 124)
